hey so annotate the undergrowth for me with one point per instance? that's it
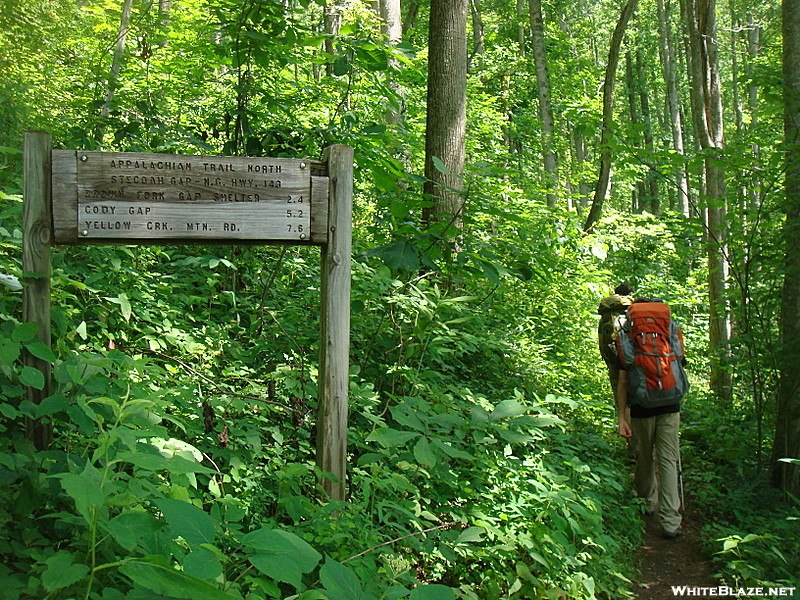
(183, 463)
(751, 530)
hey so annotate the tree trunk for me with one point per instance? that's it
(702, 32)
(669, 68)
(446, 112)
(604, 178)
(116, 65)
(393, 29)
(787, 431)
(334, 9)
(521, 27)
(653, 197)
(545, 105)
(164, 9)
(477, 32)
(639, 194)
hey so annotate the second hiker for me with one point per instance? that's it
(651, 385)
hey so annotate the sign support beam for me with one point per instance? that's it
(335, 324)
(36, 240)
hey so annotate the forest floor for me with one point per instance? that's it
(667, 563)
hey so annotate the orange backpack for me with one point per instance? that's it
(650, 347)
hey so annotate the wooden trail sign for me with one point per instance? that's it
(128, 197)
(75, 197)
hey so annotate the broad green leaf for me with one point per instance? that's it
(433, 591)
(506, 409)
(281, 555)
(40, 350)
(32, 377)
(187, 521)
(174, 447)
(61, 571)
(400, 256)
(9, 351)
(129, 527)
(153, 574)
(25, 332)
(81, 330)
(124, 304)
(85, 489)
(9, 411)
(341, 582)
(341, 66)
(148, 458)
(423, 453)
(52, 404)
(389, 438)
(470, 534)
(452, 451)
(439, 165)
(203, 564)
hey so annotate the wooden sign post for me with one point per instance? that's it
(128, 198)
(36, 239)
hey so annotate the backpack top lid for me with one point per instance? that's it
(614, 304)
(650, 317)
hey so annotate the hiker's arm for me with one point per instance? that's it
(622, 405)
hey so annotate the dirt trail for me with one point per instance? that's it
(667, 563)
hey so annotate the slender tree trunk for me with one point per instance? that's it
(446, 112)
(332, 18)
(753, 50)
(651, 181)
(545, 105)
(702, 39)
(669, 68)
(787, 431)
(410, 19)
(393, 30)
(520, 26)
(604, 177)
(579, 145)
(639, 194)
(116, 65)
(164, 9)
(477, 32)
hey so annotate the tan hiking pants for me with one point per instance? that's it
(657, 455)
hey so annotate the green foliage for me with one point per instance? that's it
(185, 379)
(754, 532)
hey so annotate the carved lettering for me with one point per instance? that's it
(242, 183)
(233, 197)
(156, 165)
(158, 226)
(139, 210)
(218, 167)
(99, 210)
(107, 225)
(146, 179)
(103, 194)
(150, 196)
(263, 168)
(197, 227)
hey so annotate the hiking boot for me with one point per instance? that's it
(671, 535)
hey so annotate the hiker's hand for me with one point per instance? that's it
(625, 429)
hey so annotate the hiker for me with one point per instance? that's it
(612, 315)
(651, 384)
